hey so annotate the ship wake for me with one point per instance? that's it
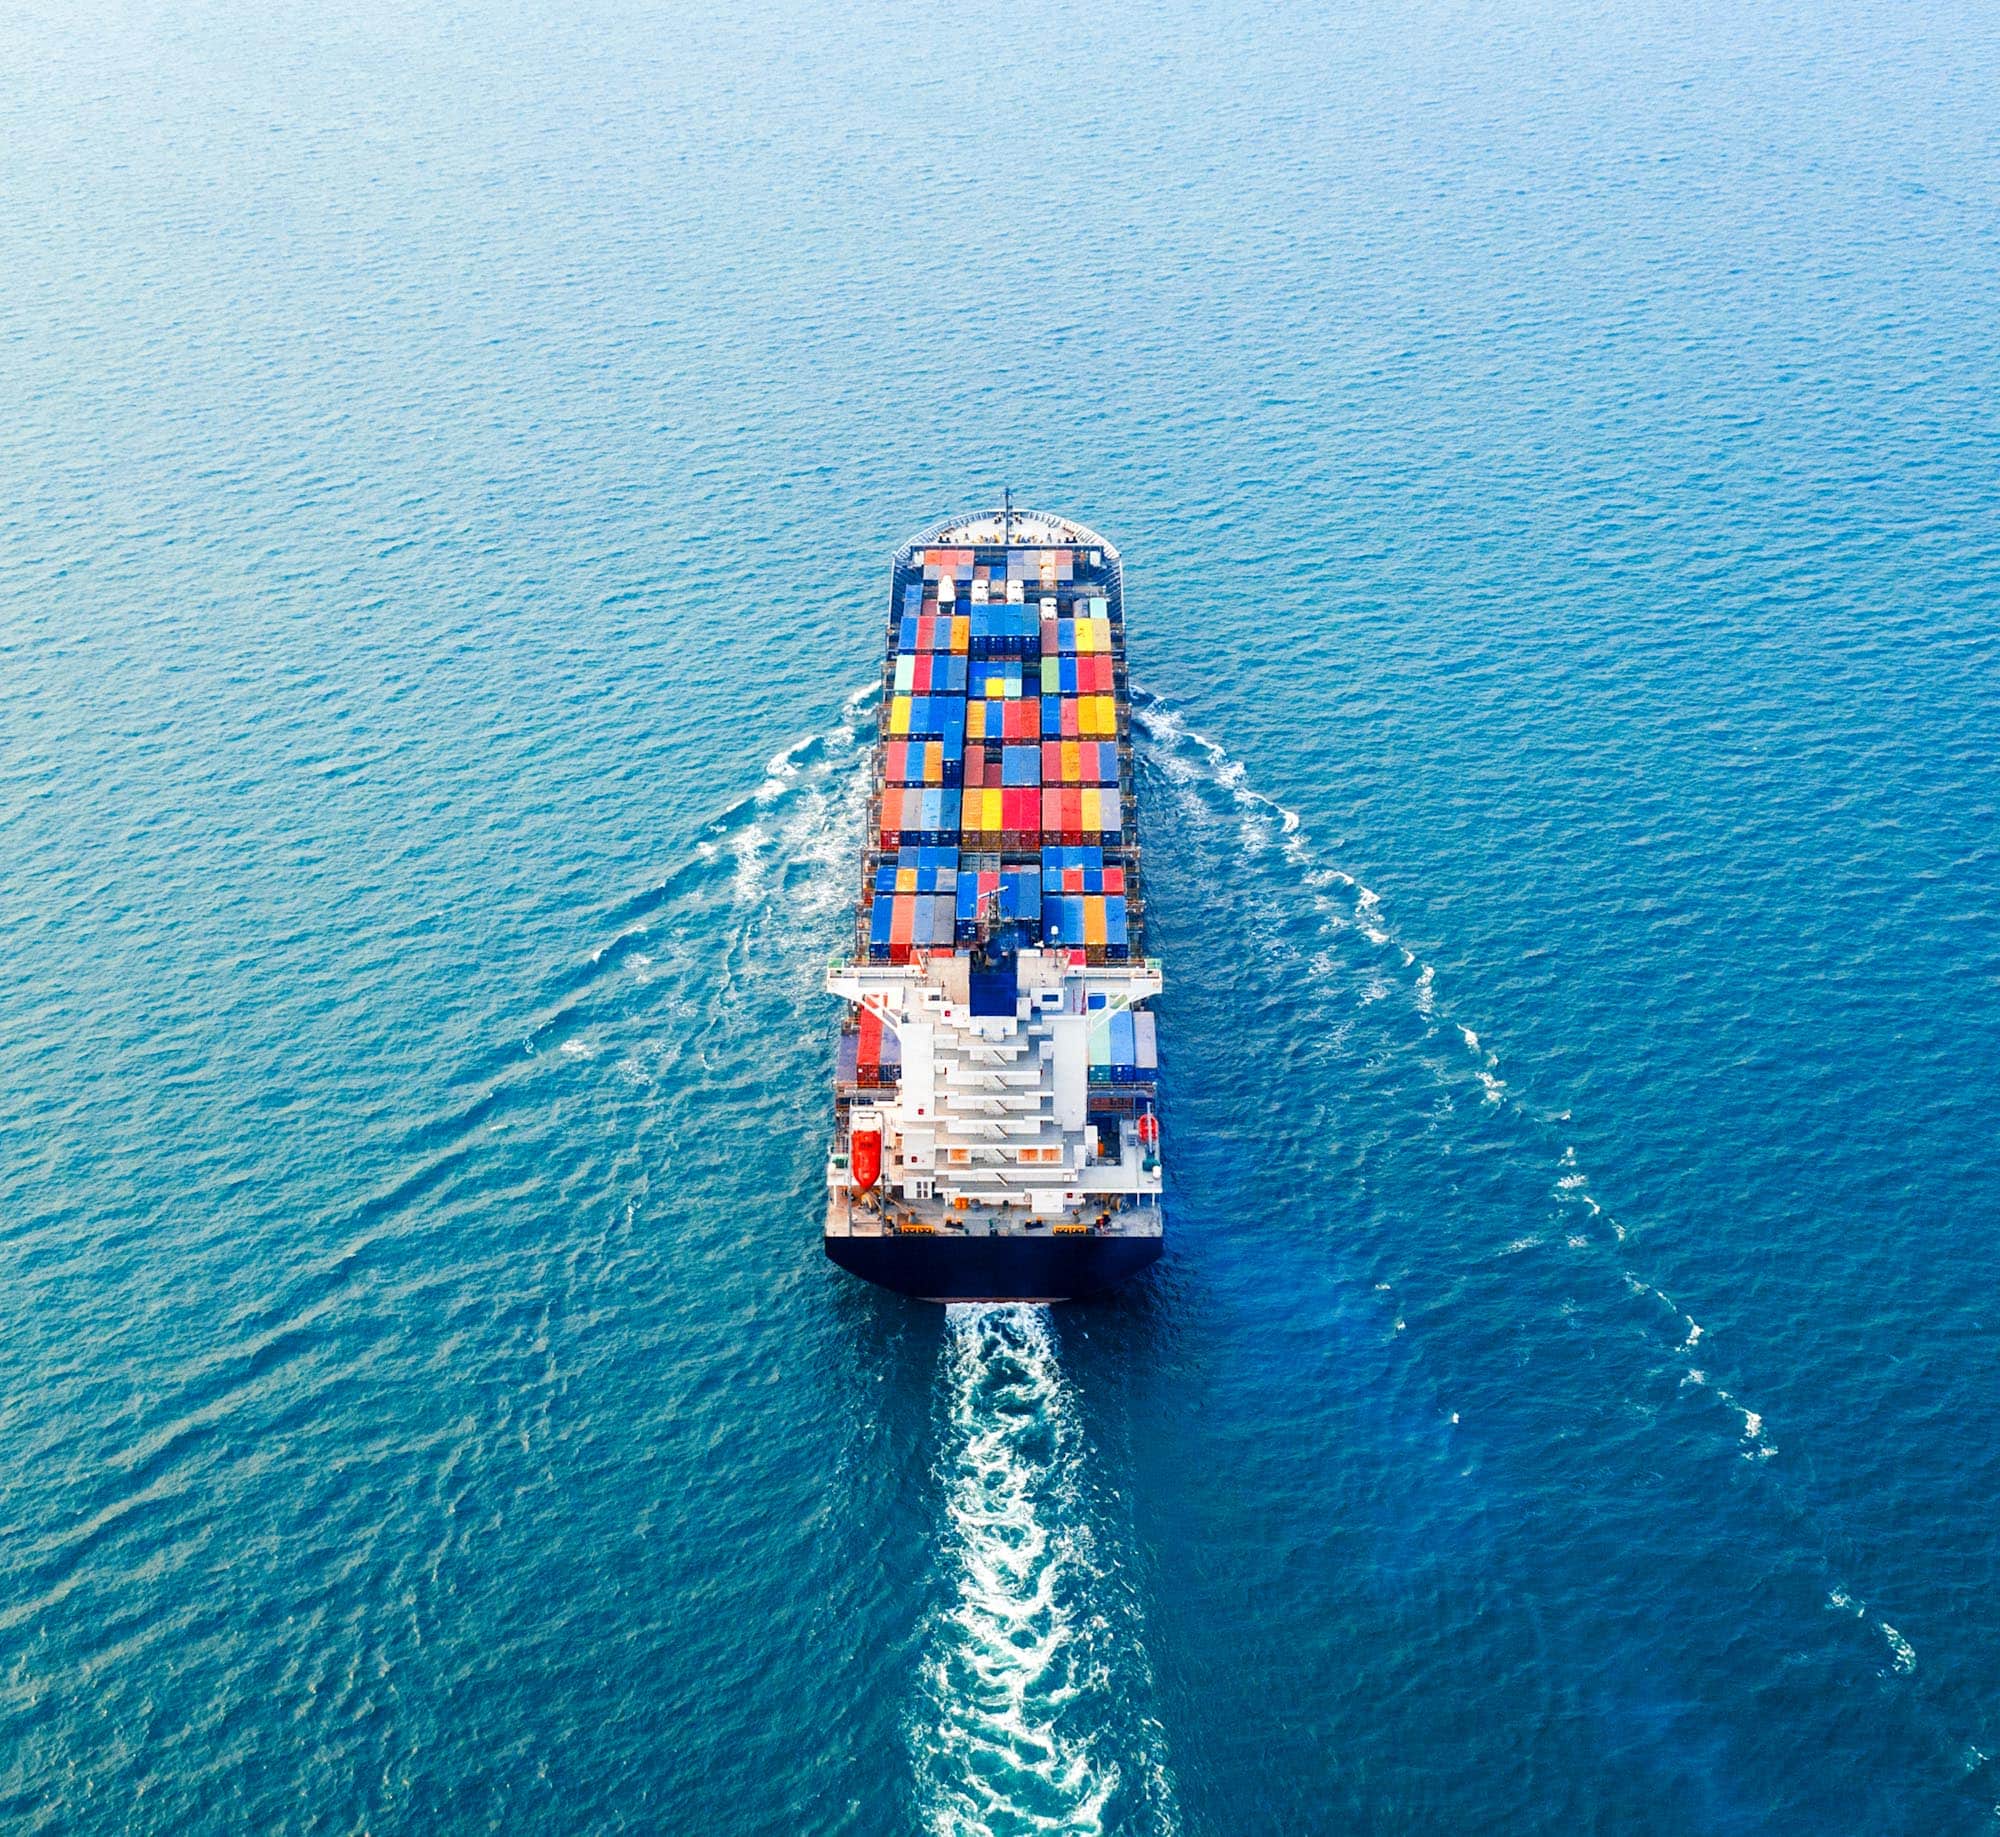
(1346, 928)
(1031, 1717)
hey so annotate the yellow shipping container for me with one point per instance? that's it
(934, 762)
(899, 715)
(1093, 809)
(906, 880)
(961, 635)
(1072, 761)
(990, 808)
(1093, 904)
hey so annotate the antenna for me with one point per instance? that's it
(1007, 517)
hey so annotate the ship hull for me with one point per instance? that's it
(995, 1268)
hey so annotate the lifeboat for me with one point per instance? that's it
(864, 1153)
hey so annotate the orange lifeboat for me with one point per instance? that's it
(864, 1154)
(1149, 1132)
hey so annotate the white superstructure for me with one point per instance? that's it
(991, 1128)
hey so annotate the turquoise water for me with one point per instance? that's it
(451, 463)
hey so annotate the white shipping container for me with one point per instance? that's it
(1145, 1039)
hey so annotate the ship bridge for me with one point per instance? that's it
(993, 1127)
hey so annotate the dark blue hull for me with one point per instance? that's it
(995, 1268)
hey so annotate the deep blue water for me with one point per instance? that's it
(451, 458)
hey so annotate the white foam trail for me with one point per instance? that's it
(1027, 1723)
(1192, 759)
(806, 810)
(1902, 1655)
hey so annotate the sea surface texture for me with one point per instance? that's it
(450, 458)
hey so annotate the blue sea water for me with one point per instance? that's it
(451, 458)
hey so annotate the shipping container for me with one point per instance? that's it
(1122, 1058)
(1021, 765)
(1117, 938)
(1100, 1048)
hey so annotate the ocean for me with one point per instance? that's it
(452, 459)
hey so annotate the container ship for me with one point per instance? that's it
(996, 1130)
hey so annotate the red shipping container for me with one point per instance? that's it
(1051, 810)
(1072, 814)
(926, 631)
(1069, 717)
(869, 1055)
(1022, 720)
(903, 922)
(1072, 879)
(892, 816)
(920, 676)
(895, 760)
(1114, 880)
(1051, 762)
(1020, 809)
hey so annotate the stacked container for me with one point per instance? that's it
(1001, 729)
